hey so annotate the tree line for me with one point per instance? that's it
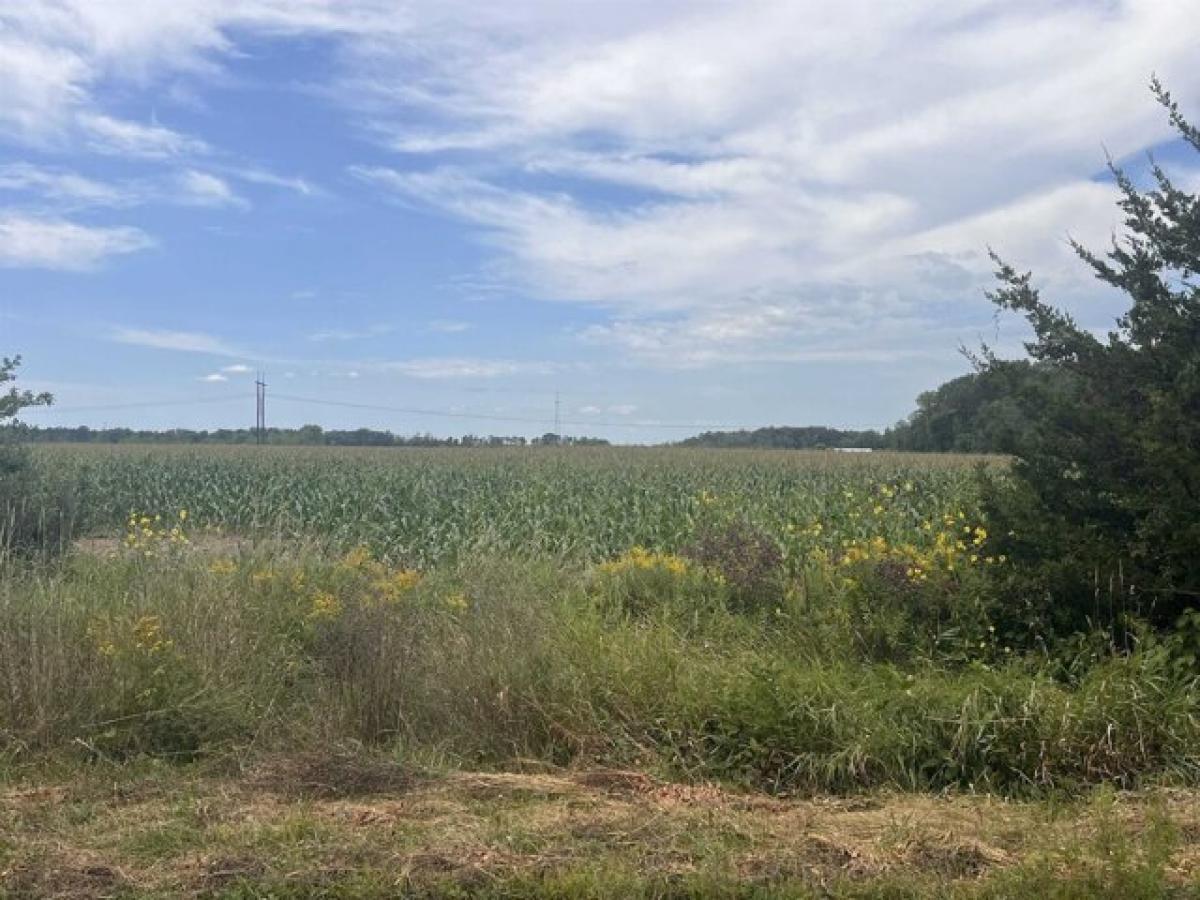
(983, 411)
(304, 436)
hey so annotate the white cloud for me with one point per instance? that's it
(346, 334)
(457, 367)
(263, 176)
(666, 255)
(237, 369)
(42, 84)
(182, 341)
(197, 188)
(826, 181)
(68, 190)
(28, 241)
(119, 137)
(63, 186)
(214, 377)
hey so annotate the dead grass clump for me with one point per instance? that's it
(324, 775)
(616, 781)
(950, 858)
(487, 786)
(65, 876)
(464, 870)
(829, 854)
(773, 867)
(222, 871)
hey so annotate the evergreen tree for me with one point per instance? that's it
(1105, 502)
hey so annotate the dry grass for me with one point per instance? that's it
(316, 825)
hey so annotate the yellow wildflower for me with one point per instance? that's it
(357, 558)
(324, 606)
(148, 635)
(223, 566)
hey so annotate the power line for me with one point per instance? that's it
(414, 411)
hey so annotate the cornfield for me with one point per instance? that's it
(426, 507)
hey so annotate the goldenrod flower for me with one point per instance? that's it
(324, 606)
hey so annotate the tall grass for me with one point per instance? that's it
(499, 661)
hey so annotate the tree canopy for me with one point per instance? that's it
(14, 400)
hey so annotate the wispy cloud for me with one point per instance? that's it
(461, 367)
(63, 186)
(342, 334)
(28, 241)
(67, 190)
(221, 374)
(181, 341)
(756, 208)
(197, 188)
(120, 137)
(256, 175)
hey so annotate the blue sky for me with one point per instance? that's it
(674, 215)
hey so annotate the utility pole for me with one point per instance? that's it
(260, 411)
(557, 417)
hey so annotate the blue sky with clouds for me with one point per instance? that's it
(674, 215)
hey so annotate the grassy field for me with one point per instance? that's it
(600, 673)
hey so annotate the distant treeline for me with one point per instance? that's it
(307, 435)
(808, 437)
(980, 412)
